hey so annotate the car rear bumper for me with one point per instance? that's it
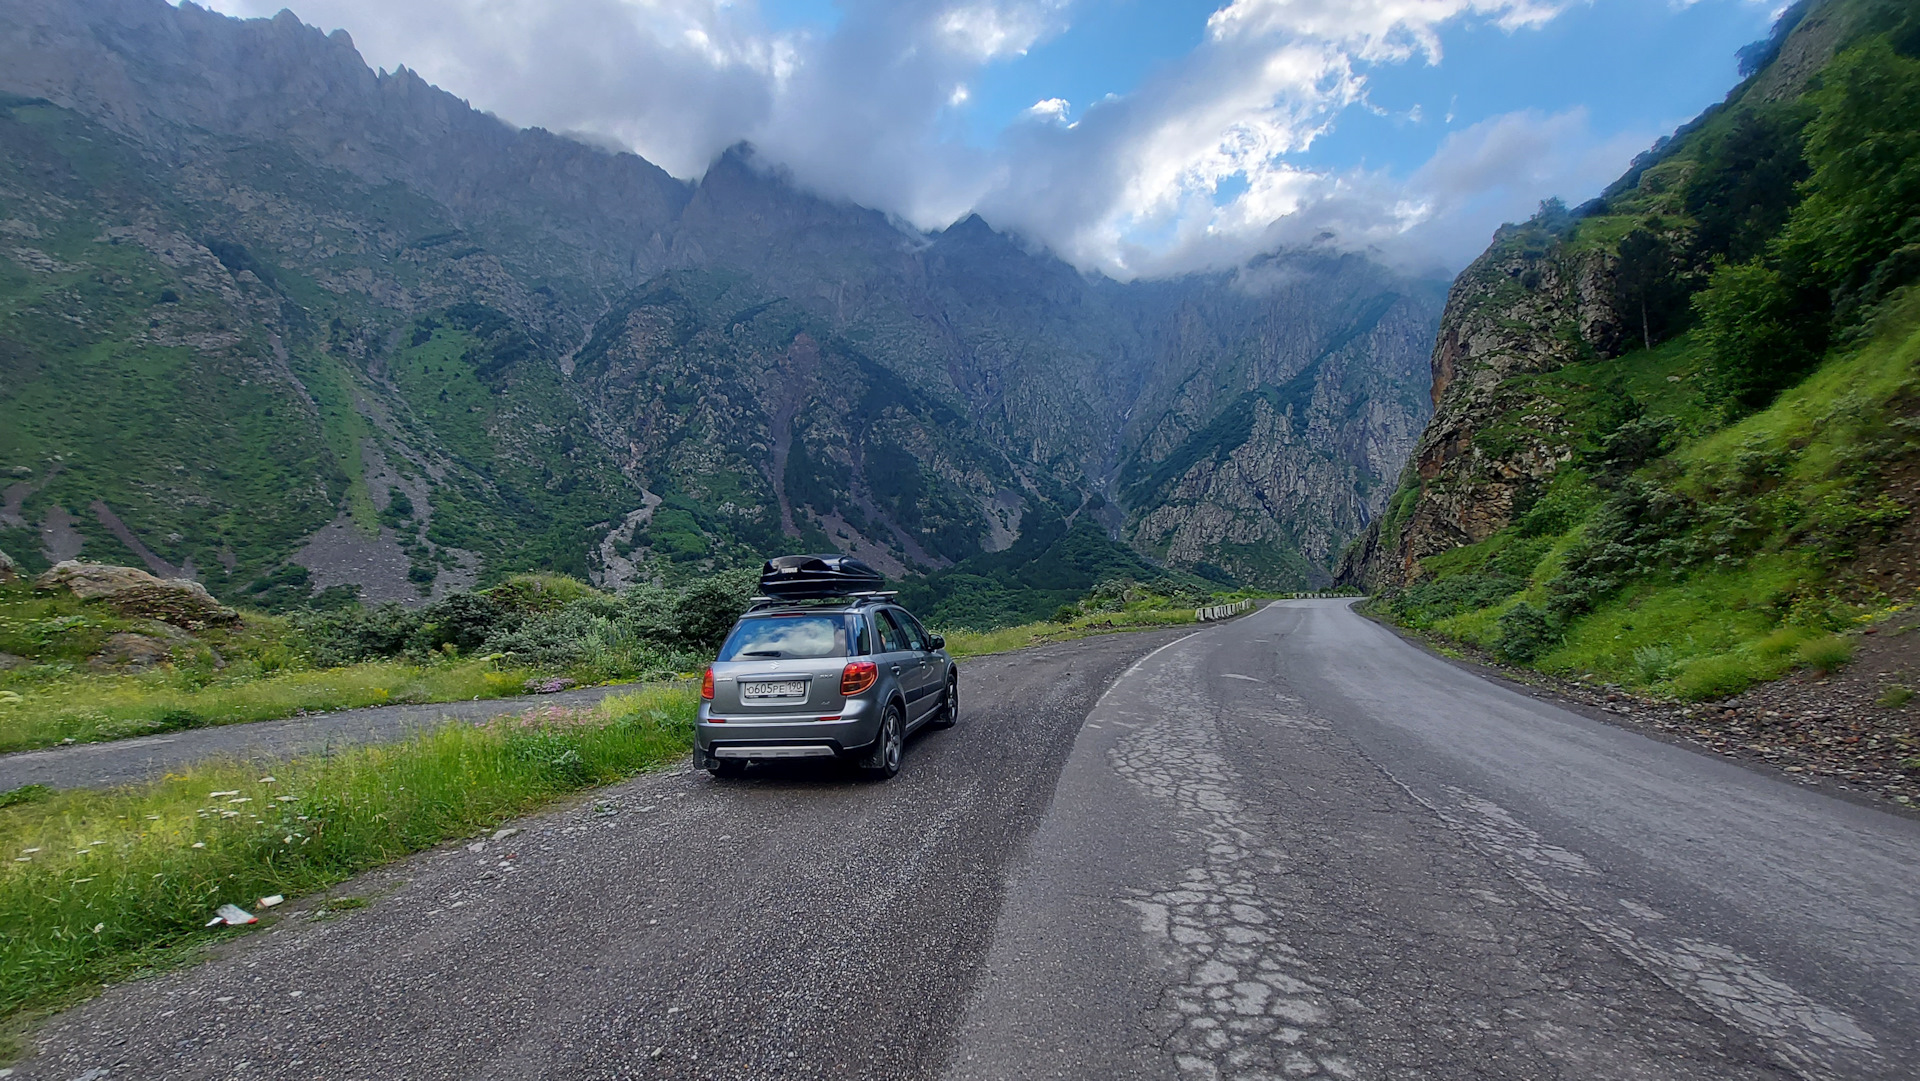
(783, 736)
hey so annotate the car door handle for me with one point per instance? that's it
(896, 669)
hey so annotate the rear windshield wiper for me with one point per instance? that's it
(763, 653)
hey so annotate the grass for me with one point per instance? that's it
(86, 707)
(101, 885)
(965, 643)
(1798, 476)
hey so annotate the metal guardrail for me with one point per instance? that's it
(1228, 611)
(1220, 611)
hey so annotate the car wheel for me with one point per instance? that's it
(884, 760)
(727, 768)
(950, 706)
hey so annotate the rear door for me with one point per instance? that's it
(917, 677)
(896, 657)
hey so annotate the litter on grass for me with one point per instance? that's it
(235, 916)
(269, 902)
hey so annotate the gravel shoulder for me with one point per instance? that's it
(127, 761)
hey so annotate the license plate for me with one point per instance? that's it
(791, 688)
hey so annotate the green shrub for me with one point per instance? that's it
(1759, 337)
(1525, 632)
(540, 592)
(1430, 600)
(461, 620)
(1825, 653)
(1720, 675)
(1655, 664)
(1894, 697)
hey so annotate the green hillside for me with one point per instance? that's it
(1735, 492)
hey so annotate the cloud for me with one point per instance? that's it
(1050, 109)
(1198, 166)
(1376, 29)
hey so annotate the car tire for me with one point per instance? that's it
(726, 769)
(884, 760)
(949, 714)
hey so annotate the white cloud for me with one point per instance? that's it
(1198, 165)
(1377, 29)
(1050, 109)
(993, 31)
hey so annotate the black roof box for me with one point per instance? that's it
(806, 578)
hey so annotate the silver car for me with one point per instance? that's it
(847, 679)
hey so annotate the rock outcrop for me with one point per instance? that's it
(1525, 307)
(1551, 293)
(128, 652)
(134, 592)
(9, 570)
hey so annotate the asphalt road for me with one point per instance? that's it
(1287, 846)
(125, 761)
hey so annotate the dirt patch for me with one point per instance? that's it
(340, 554)
(615, 571)
(851, 541)
(59, 540)
(154, 563)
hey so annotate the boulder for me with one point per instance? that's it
(134, 592)
(126, 651)
(9, 570)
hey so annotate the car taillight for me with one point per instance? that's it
(706, 685)
(857, 676)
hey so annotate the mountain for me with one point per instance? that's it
(284, 323)
(1677, 436)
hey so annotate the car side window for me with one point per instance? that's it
(916, 638)
(915, 630)
(891, 640)
(862, 637)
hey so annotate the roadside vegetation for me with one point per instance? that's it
(1118, 605)
(75, 670)
(1738, 503)
(83, 670)
(101, 885)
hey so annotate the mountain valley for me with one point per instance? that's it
(304, 330)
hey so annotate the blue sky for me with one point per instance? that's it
(1170, 134)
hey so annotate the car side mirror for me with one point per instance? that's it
(939, 641)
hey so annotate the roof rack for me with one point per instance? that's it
(757, 603)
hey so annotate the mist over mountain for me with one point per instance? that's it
(283, 322)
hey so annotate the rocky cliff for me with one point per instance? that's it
(285, 323)
(1677, 437)
(1528, 328)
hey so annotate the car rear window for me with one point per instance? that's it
(786, 638)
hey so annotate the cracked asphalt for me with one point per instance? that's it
(1291, 845)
